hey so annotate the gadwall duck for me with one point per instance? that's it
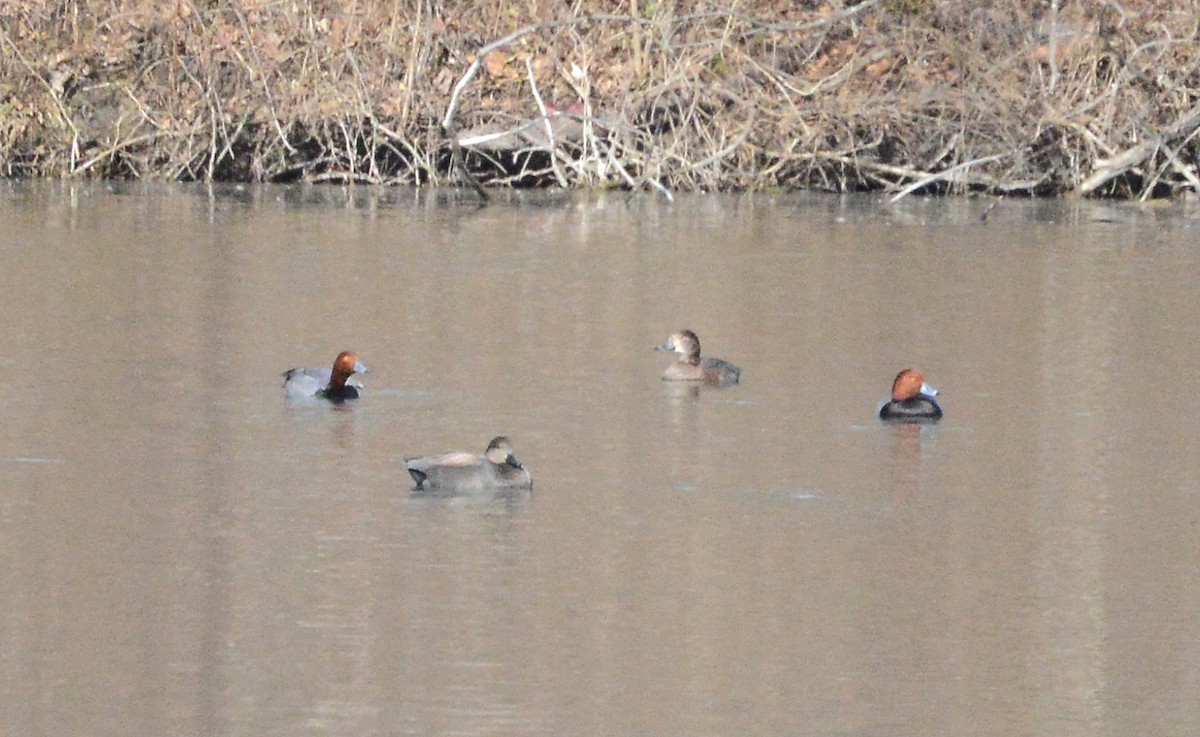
(497, 468)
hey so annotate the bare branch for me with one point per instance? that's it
(1108, 169)
(943, 175)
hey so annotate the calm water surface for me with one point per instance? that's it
(185, 553)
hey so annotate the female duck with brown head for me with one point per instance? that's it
(692, 367)
(497, 468)
(912, 400)
(333, 384)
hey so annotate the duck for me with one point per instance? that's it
(333, 384)
(692, 367)
(496, 469)
(912, 400)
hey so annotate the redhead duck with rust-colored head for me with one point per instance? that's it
(461, 472)
(321, 383)
(691, 367)
(912, 400)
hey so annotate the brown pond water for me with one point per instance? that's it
(185, 553)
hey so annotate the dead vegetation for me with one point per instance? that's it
(1002, 96)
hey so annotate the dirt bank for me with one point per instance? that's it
(1007, 96)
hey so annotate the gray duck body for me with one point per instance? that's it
(497, 468)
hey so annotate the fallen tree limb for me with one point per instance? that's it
(1108, 169)
(944, 174)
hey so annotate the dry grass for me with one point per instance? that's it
(1006, 96)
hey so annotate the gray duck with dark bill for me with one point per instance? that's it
(497, 468)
